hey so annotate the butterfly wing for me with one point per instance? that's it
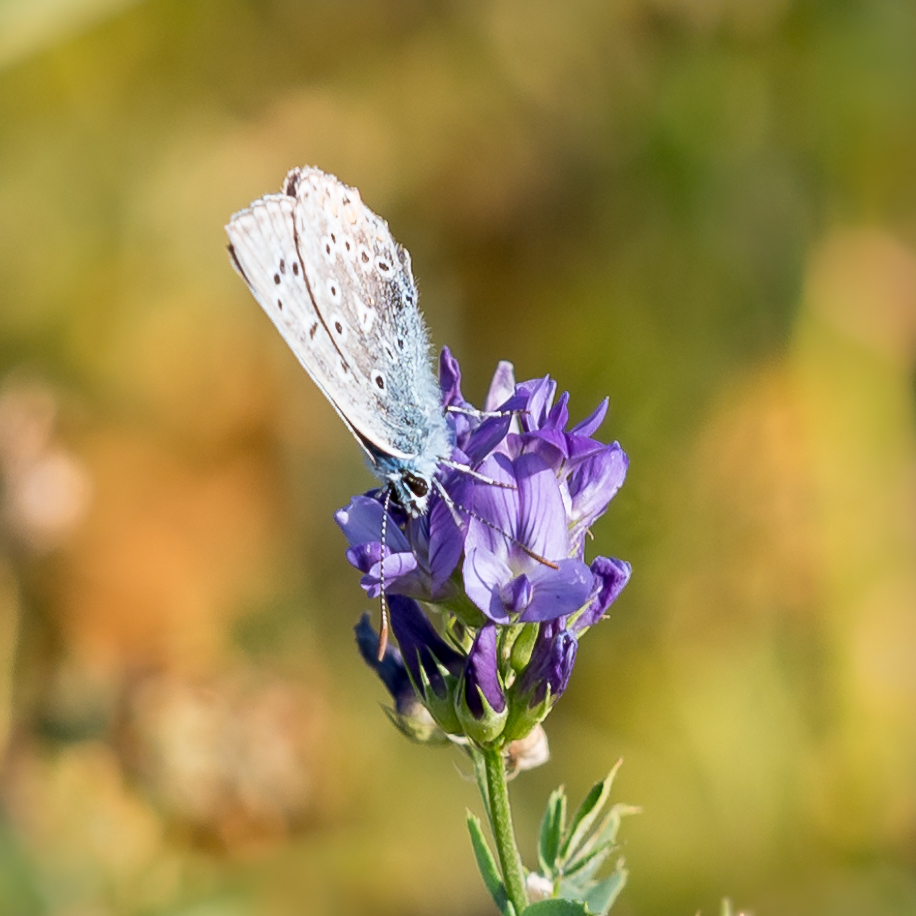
(339, 289)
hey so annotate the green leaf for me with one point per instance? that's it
(606, 834)
(588, 812)
(604, 837)
(487, 865)
(602, 896)
(557, 908)
(552, 826)
(584, 869)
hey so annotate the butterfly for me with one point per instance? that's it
(340, 291)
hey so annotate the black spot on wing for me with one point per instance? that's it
(236, 264)
(291, 185)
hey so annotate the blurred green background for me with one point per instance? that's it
(705, 209)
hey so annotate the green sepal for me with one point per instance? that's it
(586, 814)
(557, 907)
(419, 728)
(523, 646)
(459, 606)
(487, 865)
(522, 717)
(482, 731)
(553, 823)
(441, 708)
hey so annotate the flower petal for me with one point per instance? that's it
(484, 575)
(610, 576)
(502, 387)
(421, 646)
(550, 667)
(594, 484)
(559, 414)
(398, 569)
(590, 424)
(364, 556)
(495, 508)
(450, 379)
(540, 393)
(481, 676)
(541, 525)
(446, 537)
(491, 432)
(558, 592)
(361, 523)
(516, 594)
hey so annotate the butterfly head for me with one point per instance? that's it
(411, 489)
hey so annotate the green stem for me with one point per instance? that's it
(494, 790)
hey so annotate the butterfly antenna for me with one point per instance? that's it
(383, 631)
(455, 508)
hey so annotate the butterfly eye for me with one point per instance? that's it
(417, 485)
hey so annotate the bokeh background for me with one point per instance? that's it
(705, 209)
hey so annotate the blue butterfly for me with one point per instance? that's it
(340, 290)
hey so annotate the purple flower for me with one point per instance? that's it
(517, 565)
(419, 556)
(506, 546)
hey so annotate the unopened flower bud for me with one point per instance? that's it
(409, 715)
(542, 683)
(481, 704)
(432, 664)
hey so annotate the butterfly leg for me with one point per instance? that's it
(452, 508)
(455, 466)
(457, 508)
(482, 414)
